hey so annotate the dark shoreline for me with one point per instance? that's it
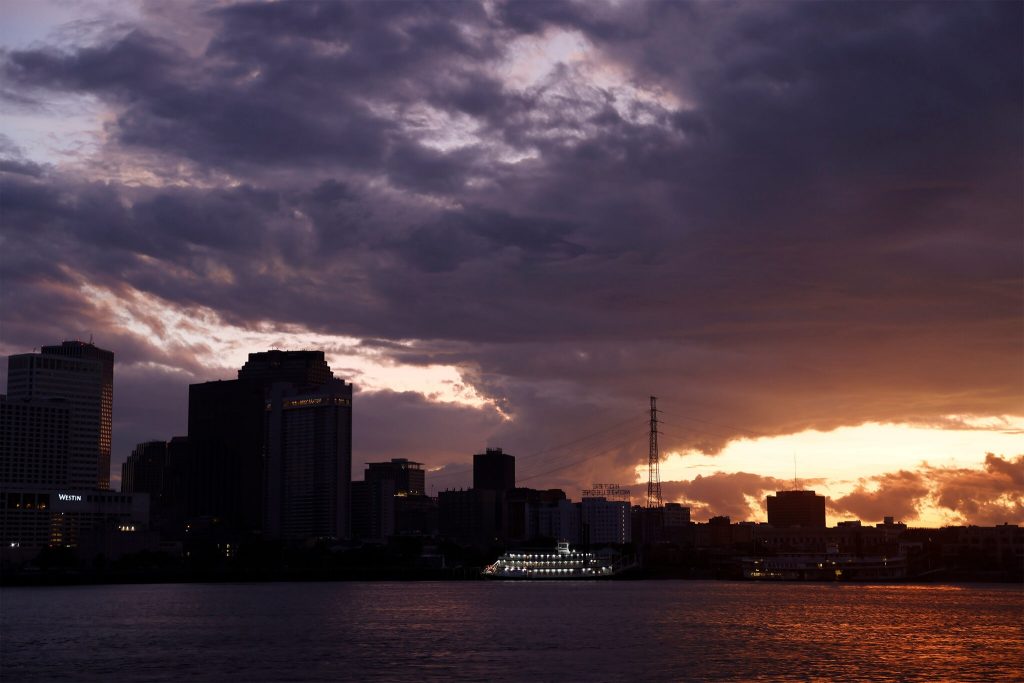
(28, 580)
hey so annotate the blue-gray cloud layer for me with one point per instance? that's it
(810, 217)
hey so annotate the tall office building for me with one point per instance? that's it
(391, 501)
(494, 470)
(34, 442)
(409, 477)
(308, 460)
(480, 514)
(605, 521)
(143, 471)
(79, 376)
(235, 474)
(796, 508)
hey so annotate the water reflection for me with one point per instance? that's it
(514, 631)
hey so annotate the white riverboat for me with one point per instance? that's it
(562, 563)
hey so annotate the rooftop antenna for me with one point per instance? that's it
(796, 482)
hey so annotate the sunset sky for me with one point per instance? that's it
(798, 224)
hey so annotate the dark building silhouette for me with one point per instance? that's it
(82, 376)
(143, 471)
(390, 501)
(796, 508)
(408, 476)
(677, 527)
(373, 510)
(35, 440)
(226, 476)
(294, 367)
(469, 516)
(225, 434)
(415, 515)
(308, 446)
(523, 513)
(494, 470)
(172, 509)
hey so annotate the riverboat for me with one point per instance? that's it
(562, 563)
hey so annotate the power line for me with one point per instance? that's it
(613, 427)
(687, 428)
(618, 444)
(717, 424)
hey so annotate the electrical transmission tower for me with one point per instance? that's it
(653, 457)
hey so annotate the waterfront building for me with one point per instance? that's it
(677, 527)
(468, 516)
(494, 470)
(35, 440)
(605, 521)
(390, 501)
(143, 471)
(373, 510)
(228, 455)
(35, 518)
(676, 515)
(408, 476)
(559, 519)
(81, 376)
(415, 515)
(522, 512)
(174, 506)
(796, 508)
(308, 460)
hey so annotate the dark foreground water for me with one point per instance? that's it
(575, 631)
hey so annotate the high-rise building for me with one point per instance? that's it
(796, 508)
(81, 376)
(605, 521)
(409, 477)
(34, 442)
(390, 500)
(143, 471)
(373, 510)
(676, 515)
(308, 460)
(468, 516)
(522, 517)
(494, 470)
(226, 472)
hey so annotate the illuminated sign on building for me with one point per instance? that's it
(319, 401)
(69, 496)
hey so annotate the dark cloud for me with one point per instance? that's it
(809, 216)
(724, 493)
(898, 494)
(406, 425)
(991, 495)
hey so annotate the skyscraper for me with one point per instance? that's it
(79, 376)
(308, 450)
(494, 470)
(143, 471)
(796, 508)
(235, 472)
(34, 441)
(408, 476)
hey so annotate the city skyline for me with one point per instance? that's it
(508, 224)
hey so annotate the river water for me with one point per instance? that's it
(512, 631)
